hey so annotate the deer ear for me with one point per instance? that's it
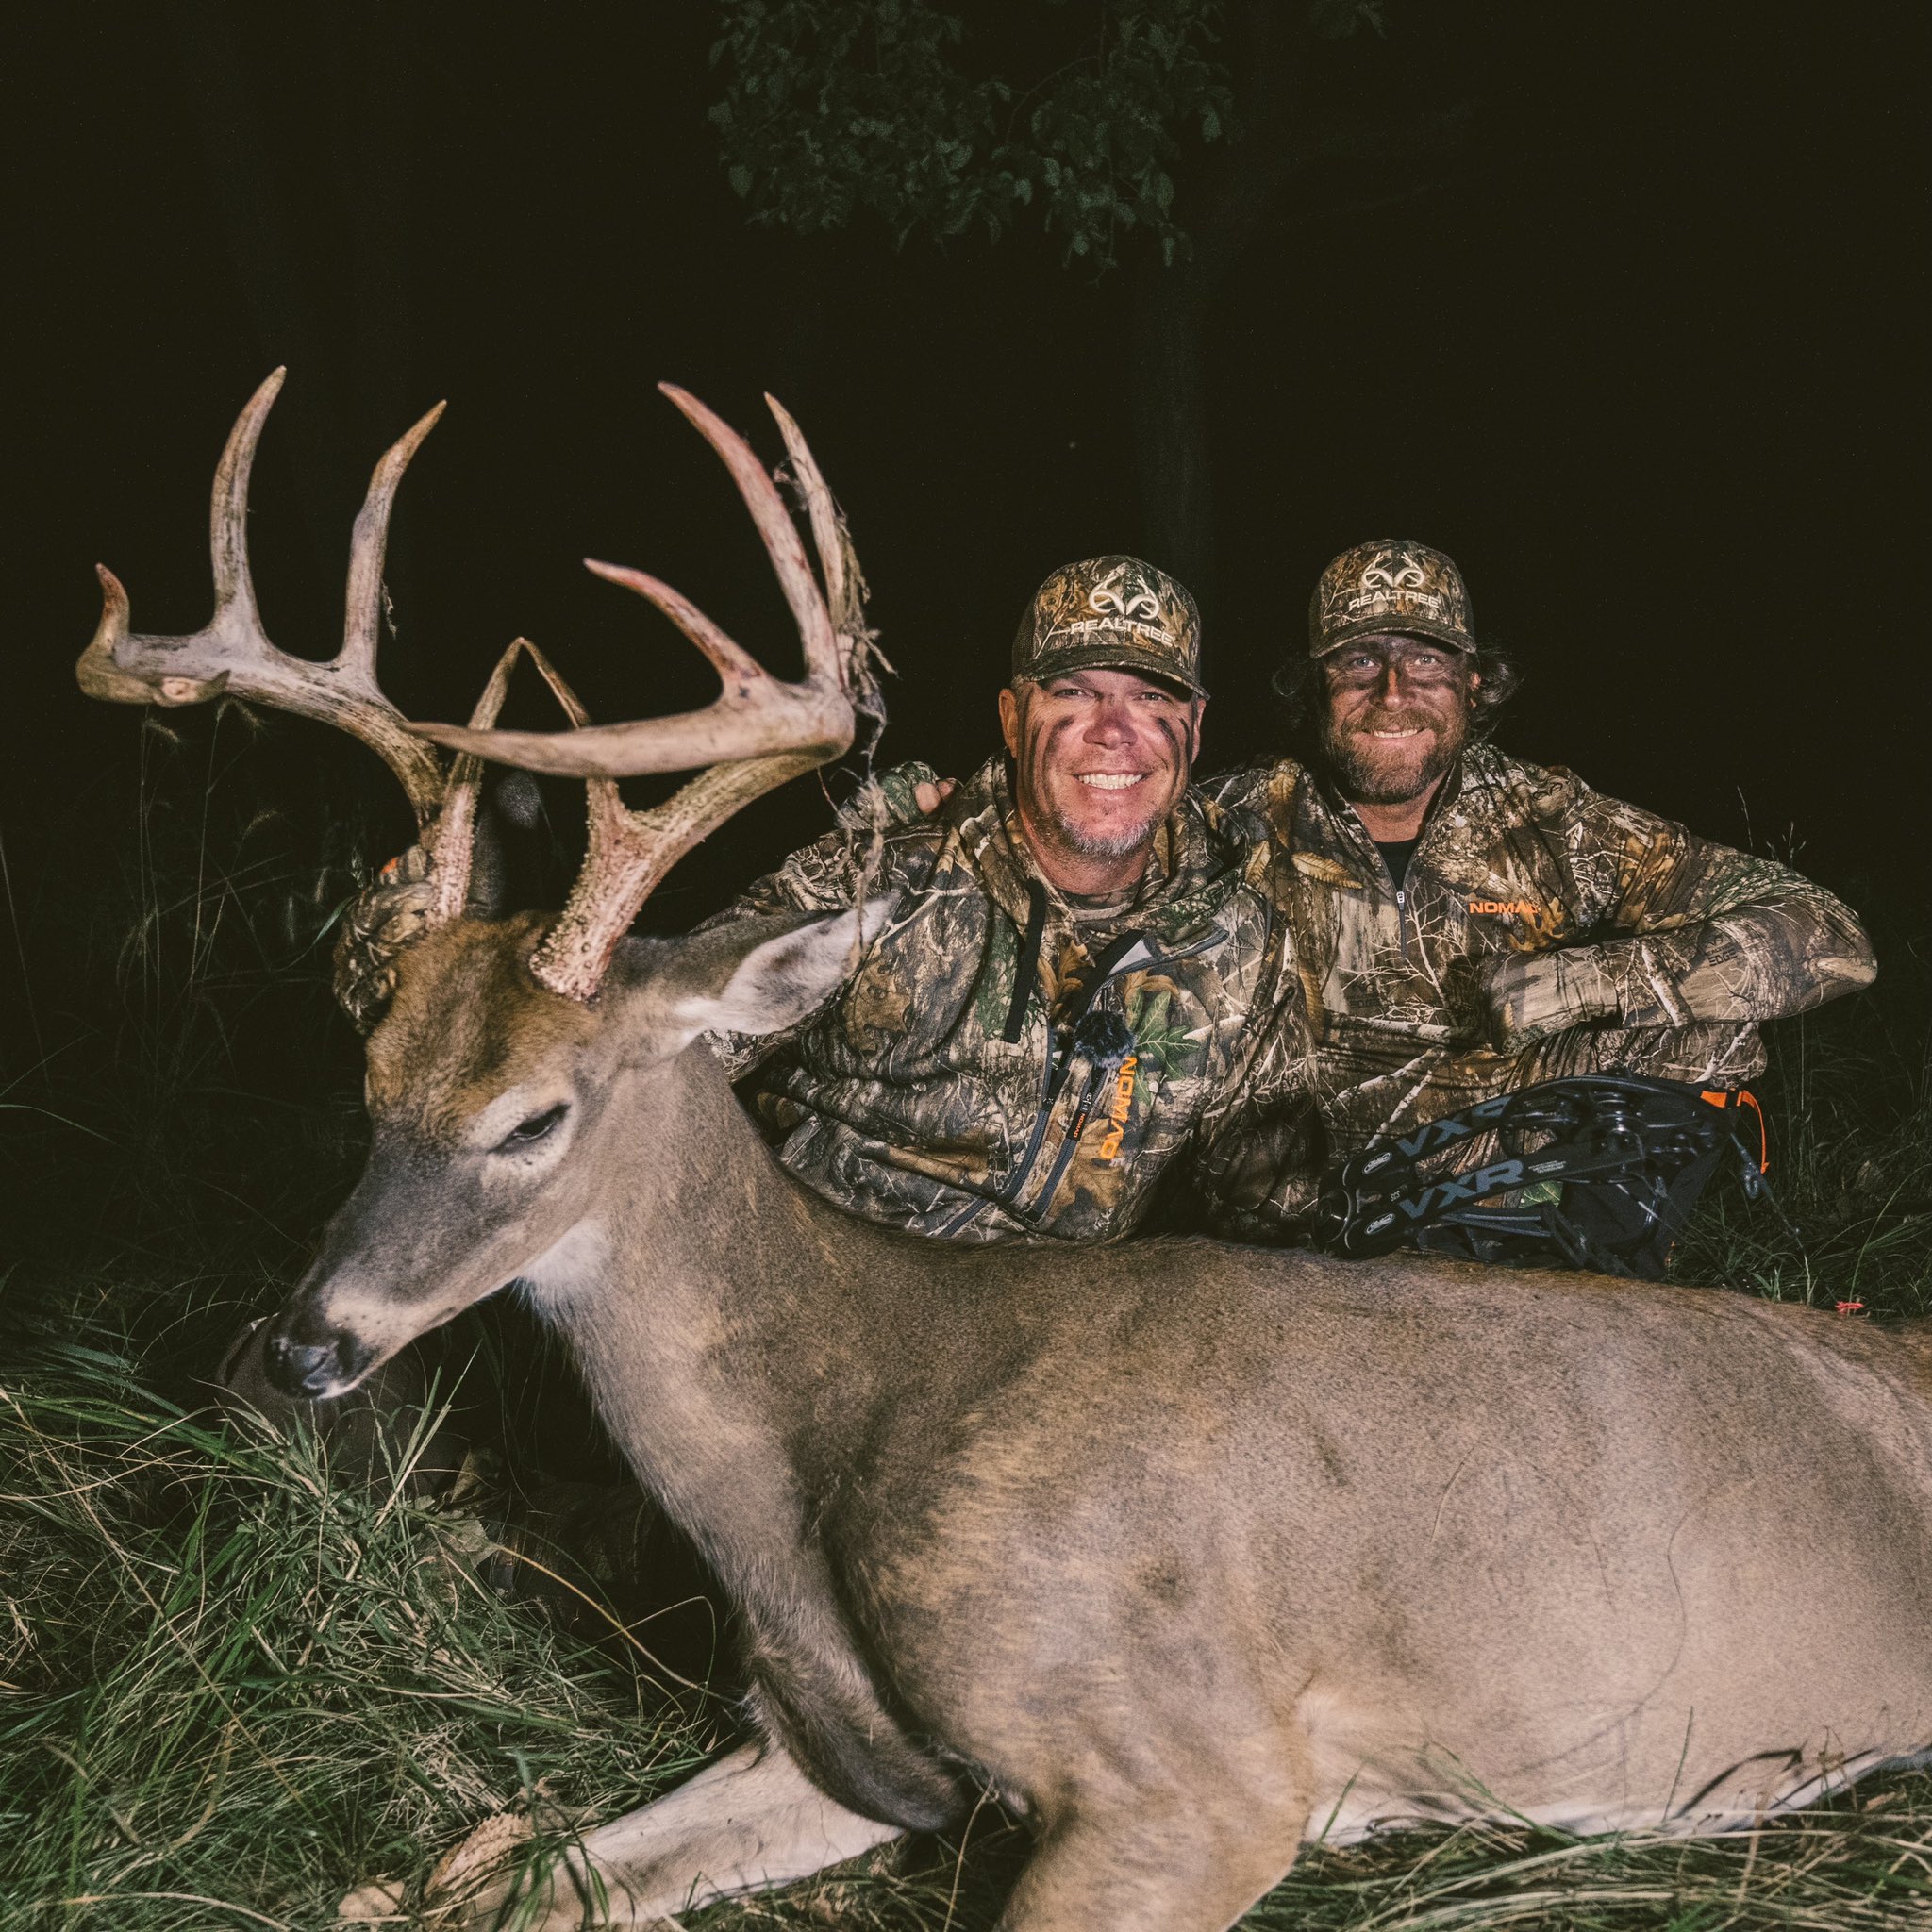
(766, 974)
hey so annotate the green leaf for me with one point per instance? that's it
(739, 178)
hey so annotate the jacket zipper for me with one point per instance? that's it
(1097, 1076)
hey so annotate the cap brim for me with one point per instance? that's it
(1113, 656)
(1411, 627)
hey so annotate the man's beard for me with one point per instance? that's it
(1102, 845)
(1086, 842)
(1370, 773)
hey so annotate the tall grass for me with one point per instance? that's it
(233, 1690)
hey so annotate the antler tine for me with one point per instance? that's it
(757, 715)
(818, 506)
(368, 546)
(233, 654)
(99, 672)
(775, 527)
(734, 663)
(227, 516)
(452, 841)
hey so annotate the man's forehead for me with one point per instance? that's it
(1392, 644)
(1117, 677)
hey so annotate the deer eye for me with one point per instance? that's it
(525, 1132)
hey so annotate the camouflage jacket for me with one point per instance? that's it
(1530, 905)
(999, 1065)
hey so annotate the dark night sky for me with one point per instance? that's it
(1646, 365)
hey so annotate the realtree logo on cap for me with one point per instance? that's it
(1110, 612)
(1390, 584)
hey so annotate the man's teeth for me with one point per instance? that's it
(1414, 733)
(1111, 781)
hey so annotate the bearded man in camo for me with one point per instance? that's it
(1464, 924)
(1075, 981)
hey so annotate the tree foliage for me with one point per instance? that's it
(838, 108)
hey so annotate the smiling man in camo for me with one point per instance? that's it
(1465, 924)
(1072, 985)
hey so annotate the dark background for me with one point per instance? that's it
(1645, 361)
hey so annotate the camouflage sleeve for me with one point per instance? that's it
(825, 876)
(1685, 930)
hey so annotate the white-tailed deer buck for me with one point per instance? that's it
(1187, 1552)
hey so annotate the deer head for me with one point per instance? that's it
(501, 1046)
(500, 1108)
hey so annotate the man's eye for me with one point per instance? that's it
(533, 1128)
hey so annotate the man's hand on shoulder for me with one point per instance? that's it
(904, 795)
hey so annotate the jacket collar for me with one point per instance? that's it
(1467, 767)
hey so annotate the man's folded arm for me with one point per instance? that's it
(1694, 931)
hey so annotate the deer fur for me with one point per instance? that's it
(1187, 1552)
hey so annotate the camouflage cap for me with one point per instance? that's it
(1110, 612)
(1390, 584)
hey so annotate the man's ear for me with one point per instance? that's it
(1011, 710)
(761, 975)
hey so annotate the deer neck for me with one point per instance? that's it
(710, 1302)
(716, 1310)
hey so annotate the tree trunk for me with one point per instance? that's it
(1170, 440)
(1173, 305)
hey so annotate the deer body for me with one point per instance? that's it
(1188, 1551)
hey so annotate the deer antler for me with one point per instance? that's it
(232, 653)
(429, 885)
(452, 838)
(758, 733)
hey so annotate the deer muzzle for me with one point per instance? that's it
(315, 1367)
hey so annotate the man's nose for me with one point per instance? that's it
(1111, 723)
(1389, 686)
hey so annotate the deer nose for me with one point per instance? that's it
(312, 1369)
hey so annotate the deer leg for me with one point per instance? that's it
(1188, 1867)
(750, 1821)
